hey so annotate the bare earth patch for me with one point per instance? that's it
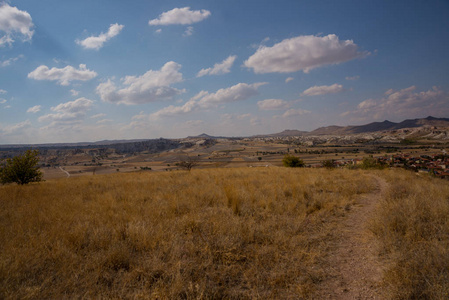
(354, 269)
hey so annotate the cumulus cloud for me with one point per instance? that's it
(219, 68)
(3, 101)
(189, 31)
(96, 42)
(9, 61)
(405, 103)
(323, 90)
(293, 112)
(151, 86)
(62, 75)
(273, 104)
(74, 92)
(3, 91)
(181, 16)
(34, 109)
(204, 100)
(14, 23)
(304, 53)
(69, 113)
(288, 79)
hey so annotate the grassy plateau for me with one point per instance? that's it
(214, 233)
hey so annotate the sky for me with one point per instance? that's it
(91, 70)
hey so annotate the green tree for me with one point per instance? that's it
(292, 161)
(21, 169)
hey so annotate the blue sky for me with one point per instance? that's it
(91, 70)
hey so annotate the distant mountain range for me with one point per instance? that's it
(328, 130)
(380, 126)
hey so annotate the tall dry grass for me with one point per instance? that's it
(225, 233)
(412, 224)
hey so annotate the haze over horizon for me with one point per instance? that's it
(76, 71)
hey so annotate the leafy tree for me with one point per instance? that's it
(292, 161)
(21, 169)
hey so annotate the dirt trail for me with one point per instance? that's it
(67, 173)
(354, 269)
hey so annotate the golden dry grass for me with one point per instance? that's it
(412, 223)
(225, 233)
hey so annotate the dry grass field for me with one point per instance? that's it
(412, 224)
(213, 233)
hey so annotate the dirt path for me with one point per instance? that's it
(354, 269)
(67, 173)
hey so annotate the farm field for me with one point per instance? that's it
(222, 154)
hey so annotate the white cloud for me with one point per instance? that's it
(14, 128)
(367, 104)
(140, 116)
(323, 90)
(34, 109)
(182, 16)
(272, 104)
(288, 79)
(69, 113)
(292, 112)
(14, 23)
(74, 92)
(3, 91)
(158, 30)
(189, 31)
(352, 77)
(238, 92)
(219, 68)
(96, 42)
(98, 116)
(3, 101)
(151, 86)
(104, 121)
(304, 52)
(403, 104)
(62, 76)
(10, 61)
(204, 100)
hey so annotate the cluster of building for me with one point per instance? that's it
(436, 164)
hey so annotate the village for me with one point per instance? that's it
(435, 164)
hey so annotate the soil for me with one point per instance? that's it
(354, 269)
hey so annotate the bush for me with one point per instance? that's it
(188, 162)
(329, 164)
(292, 161)
(372, 163)
(21, 169)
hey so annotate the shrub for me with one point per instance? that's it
(292, 161)
(21, 169)
(329, 164)
(188, 162)
(372, 163)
